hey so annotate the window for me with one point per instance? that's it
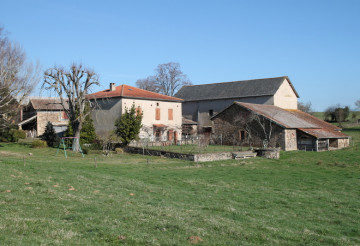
(63, 115)
(170, 114)
(211, 112)
(157, 114)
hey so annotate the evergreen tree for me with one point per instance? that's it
(50, 135)
(128, 126)
(87, 133)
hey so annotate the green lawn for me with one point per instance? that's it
(303, 198)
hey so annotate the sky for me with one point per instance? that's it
(315, 43)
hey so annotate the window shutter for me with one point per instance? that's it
(64, 115)
(157, 115)
(138, 111)
(170, 114)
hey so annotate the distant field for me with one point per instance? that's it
(303, 198)
(320, 115)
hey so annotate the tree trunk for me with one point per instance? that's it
(76, 140)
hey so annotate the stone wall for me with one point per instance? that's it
(269, 153)
(290, 141)
(189, 157)
(55, 117)
(235, 119)
(343, 143)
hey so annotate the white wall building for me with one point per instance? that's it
(161, 114)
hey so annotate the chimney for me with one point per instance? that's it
(112, 86)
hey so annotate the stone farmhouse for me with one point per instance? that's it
(201, 102)
(290, 129)
(35, 115)
(161, 114)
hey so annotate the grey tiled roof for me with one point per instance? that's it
(235, 89)
(47, 103)
(293, 119)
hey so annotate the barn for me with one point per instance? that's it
(288, 129)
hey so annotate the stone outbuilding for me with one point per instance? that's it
(161, 120)
(36, 114)
(288, 129)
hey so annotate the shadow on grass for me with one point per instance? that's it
(353, 129)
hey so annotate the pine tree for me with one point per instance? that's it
(50, 135)
(87, 133)
(128, 126)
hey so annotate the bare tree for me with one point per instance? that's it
(148, 84)
(266, 127)
(72, 86)
(18, 78)
(305, 107)
(357, 104)
(167, 80)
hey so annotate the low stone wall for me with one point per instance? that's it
(189, 157)
(167, 154)
(268, 153)
(213, 156)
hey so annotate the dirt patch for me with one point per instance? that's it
(9, 154)
(195, 239)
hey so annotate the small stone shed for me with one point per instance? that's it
(35, 115)
(290, 129)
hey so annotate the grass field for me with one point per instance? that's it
(349, 120)
(305, 198)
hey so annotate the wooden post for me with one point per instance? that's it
(95, 163)
(328, 144)
(316, 145)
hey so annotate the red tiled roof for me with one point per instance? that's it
(293, 118)
(159, 125)
(131, 92)
(188, 122)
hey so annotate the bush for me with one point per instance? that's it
(119, 150)
(50, 136)
(85, 150)
(15, 135)
(128, 126)
(39, 144)
(11, 134)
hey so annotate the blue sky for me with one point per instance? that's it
(315, 43)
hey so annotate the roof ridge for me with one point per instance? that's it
(124, 91)
(237, 81)
(147, 91)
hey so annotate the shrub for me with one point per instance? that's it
(11, 134)
(50, 135)
(39, 144)
(128, 126)
(15, 135)
(85, 150)
(119, 150)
